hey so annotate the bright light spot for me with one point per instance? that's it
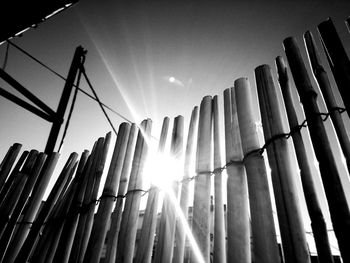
(162, 170)
(171, 79)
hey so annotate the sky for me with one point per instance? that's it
(151, 59)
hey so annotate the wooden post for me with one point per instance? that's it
(264, 234)
(179, 249)
(127, 235)
(328, 95)
(238, 225)
(102, 217)
(167, 224)
(116, 217)
(7, 163)
(282, 173)
(337, 203)
(201, 202)
(148, 229)
(318, 223)
(337, 58)
(77, 61)
(27, 246)
(219, 217)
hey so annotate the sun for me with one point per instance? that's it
(171, 79)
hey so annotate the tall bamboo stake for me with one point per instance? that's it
(219, 219)
(8, 161)
(116, 217)
(179, 249)
(282, 173)
(32, 207)
(13, 175)
(337, 58)
(91, 205)
(67, 237)
(13, 196)
(6, 236)
(167, 224)
(148, 229)
(27, 246)
(201, 202)
(264, 234)
(102, 217)
(238, 227)
(127, 235)
(337, 203)
(87, 199)
(318, 223)
(328, 95)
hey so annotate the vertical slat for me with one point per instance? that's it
(238, 226)
(328, 95)
(148, 229)
(338, 206)
(179, 250)
(282, 173)
(127, 235)
(337, 58)
(116, 217)
(318, 223)
(219, 219)
(102, 217)
(201, 202)
(263, 230)
(166, 235)
(27, 246)
(8, 161)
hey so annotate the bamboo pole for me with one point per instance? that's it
(337, 203)
(87, 199)
(318, 223)
(328, 95)
(148, 229)
(127, 235)
(27, 246)
(116, 216)
(32, 207)
(219, 219)
(238, 227)
(8, 161)
(265, 247)
(102, 217)
(167, 224)
(66, 239)
(91, 205)
(201, 202)
(337, 58)
(282, 173)
(34, 173)
(13, 195)
(11, 178)
(179, 249)
(347, 22)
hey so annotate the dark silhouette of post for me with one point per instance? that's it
(338, 206)
(77, 62)
(337, 58)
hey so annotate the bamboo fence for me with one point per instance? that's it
(221, 208)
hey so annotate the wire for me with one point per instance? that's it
(63, 78)
(82, 69)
